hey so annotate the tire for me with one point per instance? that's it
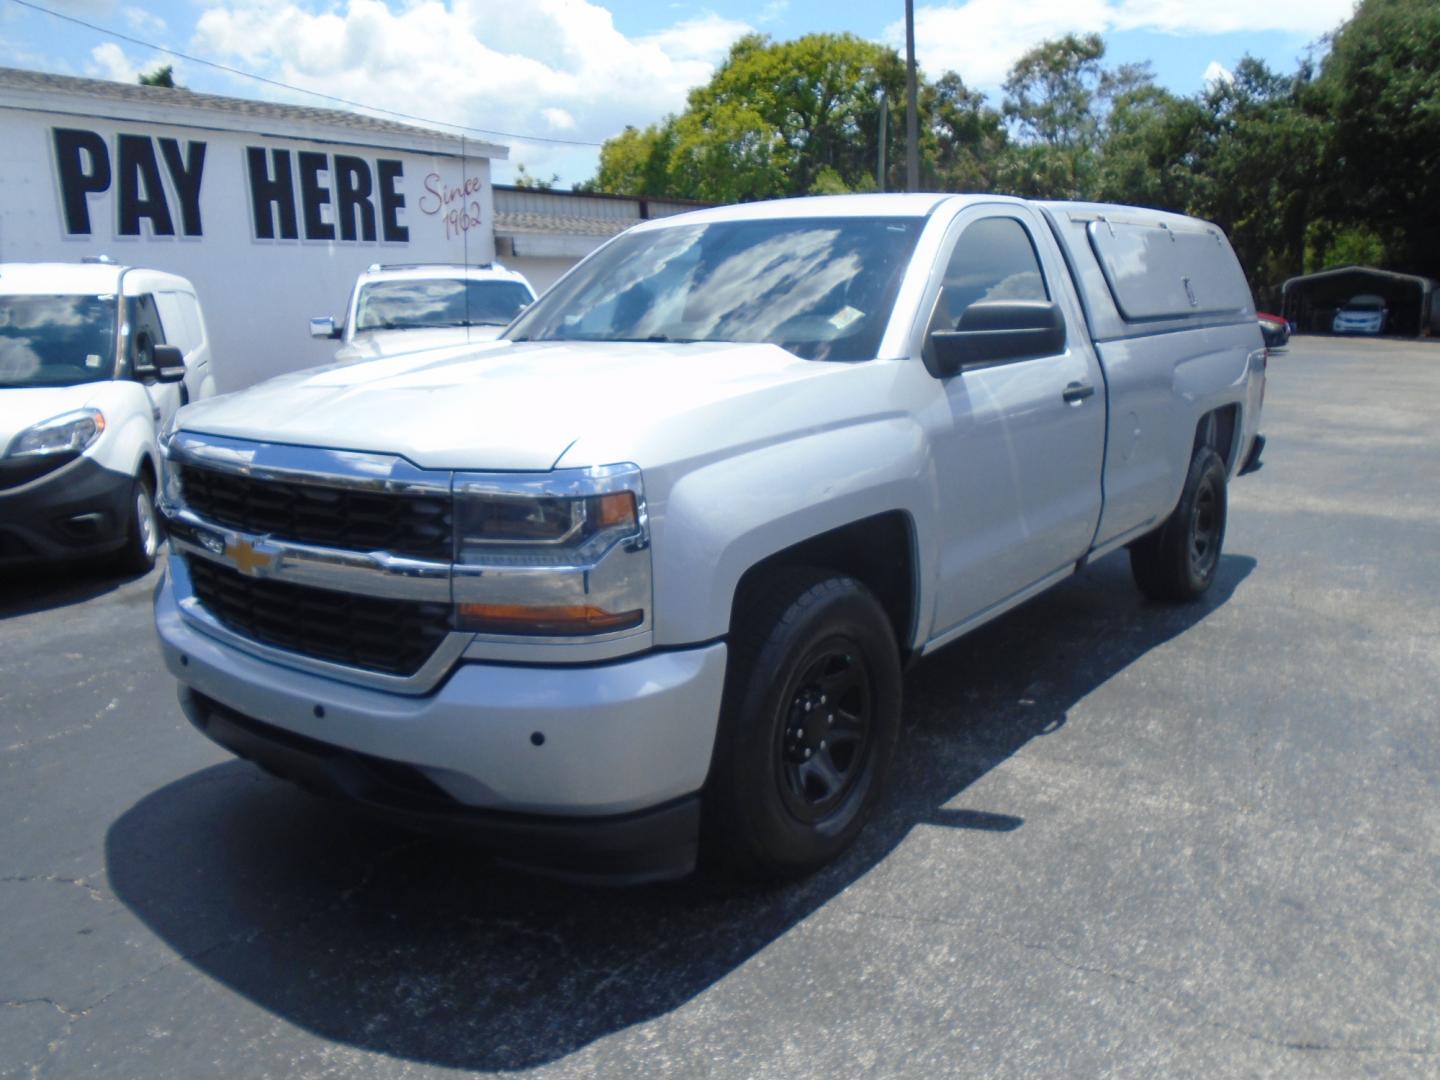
(808, 725)
(143, 532)
(1177, 562)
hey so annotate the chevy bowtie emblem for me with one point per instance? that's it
(245, 558)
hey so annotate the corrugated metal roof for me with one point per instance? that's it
(523, 221)
(45, 82)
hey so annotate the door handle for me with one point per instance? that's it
(1077, 392)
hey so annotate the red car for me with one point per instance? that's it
(1274, 329)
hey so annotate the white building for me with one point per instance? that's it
(270, 210)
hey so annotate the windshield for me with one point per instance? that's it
(56, 340)
(820, 287)
(423, 302)
(1364, 307)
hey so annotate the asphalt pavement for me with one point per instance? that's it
(1121, 840)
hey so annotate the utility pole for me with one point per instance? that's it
(912, 112)
(884, 137)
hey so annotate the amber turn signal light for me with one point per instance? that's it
(617, 508)
(563, 621)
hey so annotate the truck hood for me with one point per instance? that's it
(509, 406)
(375, 344)
(24, 407)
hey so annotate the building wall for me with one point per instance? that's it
(270, 228)
(541, 273)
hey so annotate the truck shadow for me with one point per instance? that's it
(418, 949)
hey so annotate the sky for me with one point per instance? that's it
(575, 72)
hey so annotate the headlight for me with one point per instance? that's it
(69, 433)
(560, 556)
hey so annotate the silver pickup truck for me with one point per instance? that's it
(636, 582)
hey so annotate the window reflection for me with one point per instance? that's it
(822, 288)
(418, 303)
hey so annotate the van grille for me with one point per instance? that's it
(395, 637)
(418, 526)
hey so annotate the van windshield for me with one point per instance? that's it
(56, 340)
(823, 288)
(422, 303)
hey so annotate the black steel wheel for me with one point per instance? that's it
(1178, 561)
(807, 727)
(825, 739)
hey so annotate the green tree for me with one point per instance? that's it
(965, 141)
(777, 118)
(636, 162)
(1380, 85)
(1150, 154)
(1058, 96)
(1257, 167)
(161, 76)
(526, 179)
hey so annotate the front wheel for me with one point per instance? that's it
(808, 725)
(1178, 561)
(142, 531)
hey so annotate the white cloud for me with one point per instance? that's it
(519, 67)
(982, 39)
(1217, 72)
(773, 11)
(108, 61)
(1310, 17)
(144, 22)
(706, 38)
(558, 119)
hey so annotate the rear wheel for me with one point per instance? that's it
(142, 533)
(1178, 561)
(808, 725)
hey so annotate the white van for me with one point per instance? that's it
(94, 360)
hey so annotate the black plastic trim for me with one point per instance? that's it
(1252, 460)
(36, 520)
(656, 844)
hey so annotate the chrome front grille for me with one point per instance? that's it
(394, 637)
(415, 525)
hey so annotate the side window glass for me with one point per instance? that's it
(146, 331)
(193, 319)
(994, 259)
(172, 317)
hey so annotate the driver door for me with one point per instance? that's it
(1019, 460)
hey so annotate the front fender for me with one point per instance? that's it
(716, 522)
(129, 437)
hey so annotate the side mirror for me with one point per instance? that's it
(324, 327)
(169, 364)
(995, 332)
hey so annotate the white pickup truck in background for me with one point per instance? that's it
(637, 582)
(421, 306)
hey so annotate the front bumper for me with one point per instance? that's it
(649, 845)
(578, 745)
(80, 510)
(1366, 326)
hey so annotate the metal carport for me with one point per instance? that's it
(1310, 301)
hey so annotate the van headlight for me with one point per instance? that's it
(69, 433)
(561, 555)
